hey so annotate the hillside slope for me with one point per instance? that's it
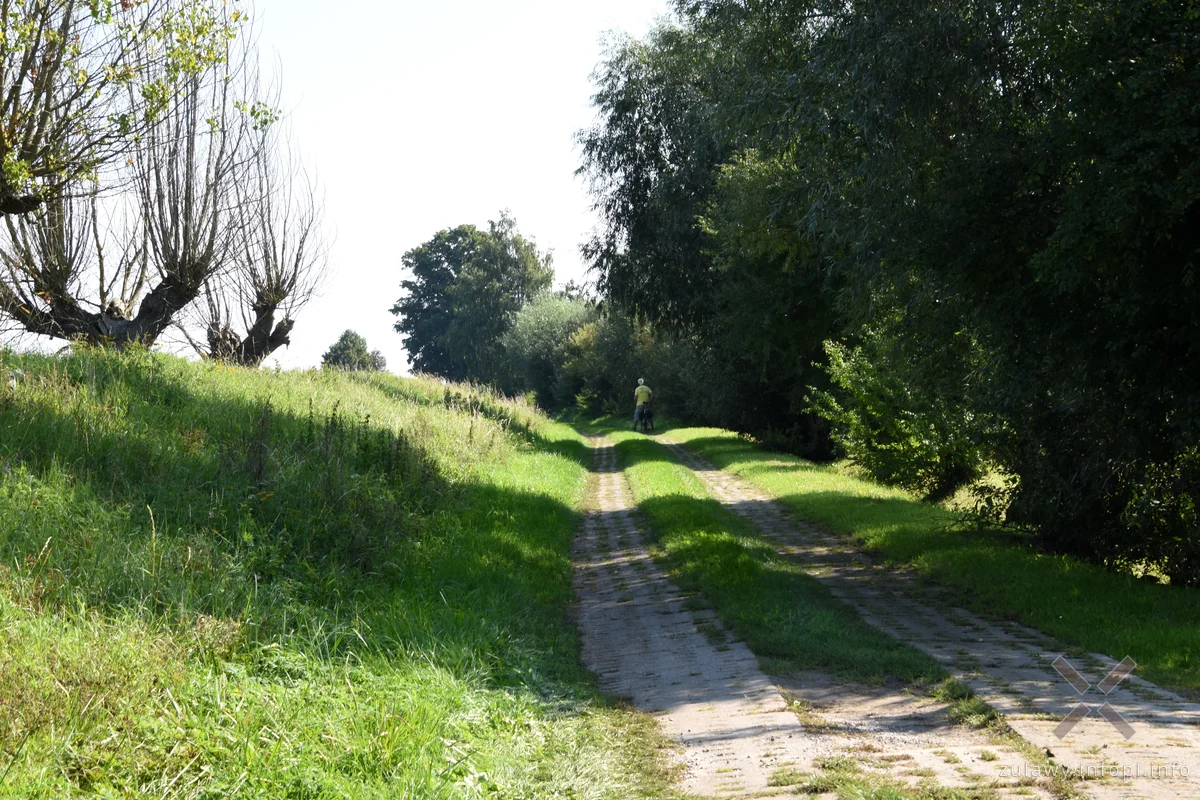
(219, 582)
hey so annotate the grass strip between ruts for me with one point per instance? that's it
(1000, 574)
(787, 618)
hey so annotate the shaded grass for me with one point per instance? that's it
(787, 618)
(219, 582)
(999, 574)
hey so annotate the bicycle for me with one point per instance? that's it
(645, 415)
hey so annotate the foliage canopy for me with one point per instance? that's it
(350, 352)
(464, 290)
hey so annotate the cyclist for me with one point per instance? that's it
(642, 397)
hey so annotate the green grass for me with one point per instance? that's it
(845, 779)
(219, 582)
(999, 574)
(787, 618)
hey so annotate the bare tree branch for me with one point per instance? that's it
(182, 181)
(81, 80)
(280, 260)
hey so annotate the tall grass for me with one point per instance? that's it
(219, 582)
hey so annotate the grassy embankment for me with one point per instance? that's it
(999, 574)
(219, 582)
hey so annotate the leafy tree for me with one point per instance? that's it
(463, 294)
(538, 344)
(82, 80)
(929, 444)
(350, 352)
(426, 312)
(606, 356)
(650, 160)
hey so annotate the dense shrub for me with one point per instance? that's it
(537, 346)
(899, 436)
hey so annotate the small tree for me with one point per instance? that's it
(538, 344)
(350, 352)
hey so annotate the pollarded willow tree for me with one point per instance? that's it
(277, 261)
(105, 80)
(232, 216)
(80, 80)
(201, 205)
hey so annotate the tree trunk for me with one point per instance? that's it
(263, 338)
(15, 204)
(66, 319)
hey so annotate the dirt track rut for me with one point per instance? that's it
(648, 644)
(1008, 665)
(645, 645)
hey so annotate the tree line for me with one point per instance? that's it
(148, 186)
(956, 243)
(477, 305)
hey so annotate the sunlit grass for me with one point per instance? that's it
(219, 582)
(1000, 574)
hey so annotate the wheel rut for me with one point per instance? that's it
(651, 644)
(646, 645)
(1008, 665)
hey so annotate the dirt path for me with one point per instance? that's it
(1009, 666)
(738, 731)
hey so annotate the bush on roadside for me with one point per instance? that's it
(899, 436)
(538, 343)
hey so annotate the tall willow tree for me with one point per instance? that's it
(669, 181)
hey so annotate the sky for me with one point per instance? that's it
(420, 116)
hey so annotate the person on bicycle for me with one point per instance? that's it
(642, 396)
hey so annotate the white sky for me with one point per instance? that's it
(419, 116)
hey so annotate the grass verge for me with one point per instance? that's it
(998, 574)
(787, 618)
(218, 582)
